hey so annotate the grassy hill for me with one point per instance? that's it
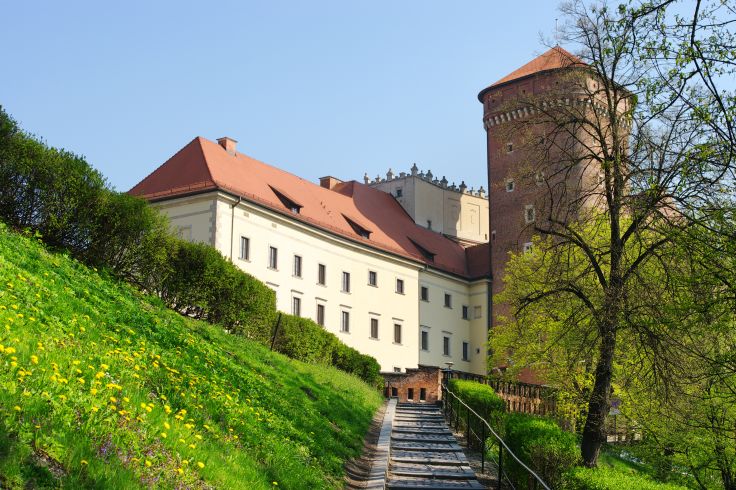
(102, 387)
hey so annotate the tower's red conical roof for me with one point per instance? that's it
(555, 58)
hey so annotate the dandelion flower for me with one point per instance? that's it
(200, 464)
(163, 434)
(148, 464)
(34, 359)
(17, 408)
(84, 462)
(180, 471)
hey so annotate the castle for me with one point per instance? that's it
(402, 268)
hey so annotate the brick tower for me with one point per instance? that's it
(514, 189)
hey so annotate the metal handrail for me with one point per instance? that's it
(498, 438)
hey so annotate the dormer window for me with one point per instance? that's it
(357, 228)
(288, 203)
(429, 256)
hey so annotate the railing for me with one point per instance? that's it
(453, 408)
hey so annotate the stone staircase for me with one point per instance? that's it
(424, 453)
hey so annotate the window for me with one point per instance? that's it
(288, 203)
(394, 390)
(297, 266)
(397, 333)
(429, 224)
(477, 312)
(396, 370)
(425, 293)
(372, 278)
(410, 393)
(466, 312)
(345, 323)
(296, 306)
(429, 256)
(273, 258)
(399, 192)
(321, 315)
(185, 233)
(321, 274)
(527, 247)
(374, 328)
(509, 147)
(445, 345)
(539, 178)
(465, 351)
(530, 214)
(244, 248)
(422, 394)
(448, 300)
(493, 235)
(365, 233)
(400, 286)
(345, 282)
(509, 185)
(425, 340)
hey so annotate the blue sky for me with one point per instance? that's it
(316, 88)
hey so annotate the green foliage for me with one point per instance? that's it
(611, 479)
(481, 398)
(541, 445)
(103, 387)
(363, 366)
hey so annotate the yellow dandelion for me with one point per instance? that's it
(148, 464)
(163, 435)
(200, 464)
(17, 408)
(113, 399)
(93, 391)
(95, 408)
(185, 462)
(166, 424)
(192, 446)
(84, 462)
(34, 359)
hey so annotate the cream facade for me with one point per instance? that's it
(457, 212)
(380, 314)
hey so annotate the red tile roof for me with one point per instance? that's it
(555, 58)
(204, 165)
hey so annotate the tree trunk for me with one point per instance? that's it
(594, 434)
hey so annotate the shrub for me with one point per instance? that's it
(363, 366)
(481, 398)
(611, 479)
(542, 445)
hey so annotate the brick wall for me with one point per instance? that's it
(411, 385)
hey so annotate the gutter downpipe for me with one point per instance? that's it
(232, 225)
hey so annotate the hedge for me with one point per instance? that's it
(482, 399)
(543, 446)
(581, 478)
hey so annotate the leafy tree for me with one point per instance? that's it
(625, 171)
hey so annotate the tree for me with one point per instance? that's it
(624, 172)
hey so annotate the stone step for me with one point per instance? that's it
(429, 457)
(451, 446)
(432, 471)
(423, 437)
(432, 484)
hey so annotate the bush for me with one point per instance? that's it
(611, 479)
(481, 398)
(541, 445)
(203, 284)
(363, 366)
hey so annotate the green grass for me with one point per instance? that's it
(610, 458)
(102, 387)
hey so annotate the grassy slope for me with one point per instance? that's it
(103, 387)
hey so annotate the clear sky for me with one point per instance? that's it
(316, 88)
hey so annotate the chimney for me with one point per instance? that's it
(228, 143)
(329, 182)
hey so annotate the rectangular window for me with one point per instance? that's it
(399, 192)
(374, 328)
(527, 247)
(395, 390)
(345, 323)
(425, 293)
(297, 266)
(410, 393)
(244, 248)
(509, 185)
(397, 333)
(466, 312)
(321, 274)
(273, 258)
(509, 147)
(345, 282)
(445, 346)
(372, 278)
(296, 306)
(477, 312)
(425, 340)
(321, 315)
(529, 214)
(465, 351)
(448, 300)
(422, 394)
(400, 286)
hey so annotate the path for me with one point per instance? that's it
(424, 454)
